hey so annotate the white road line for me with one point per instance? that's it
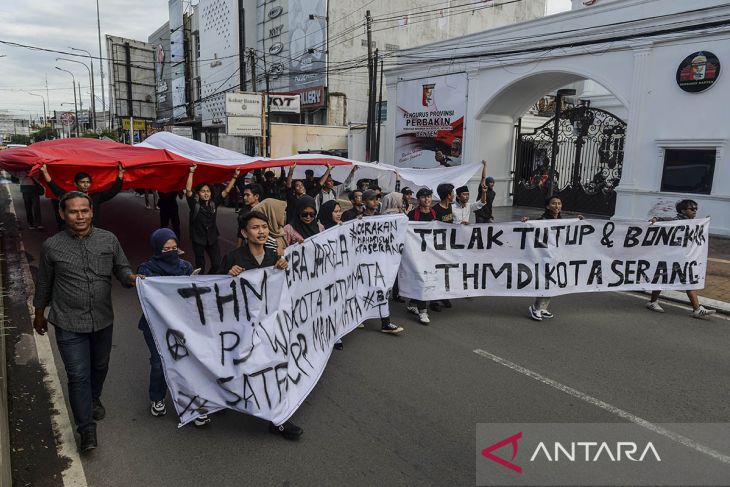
(74, 475)
(721, 261)
(683, 440)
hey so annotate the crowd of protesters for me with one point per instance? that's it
(272, 212)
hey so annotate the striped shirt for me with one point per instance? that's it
(75, 279)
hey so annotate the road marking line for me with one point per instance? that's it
(721, 261)
(683, 440)
(74, 475)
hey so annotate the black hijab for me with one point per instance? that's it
(305, 230)
(325, 213)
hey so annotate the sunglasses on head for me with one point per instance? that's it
(310, 214)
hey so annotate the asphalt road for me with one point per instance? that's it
(402, 410)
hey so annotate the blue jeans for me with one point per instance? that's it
(158, 386)
(86, 359)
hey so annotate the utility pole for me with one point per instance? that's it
(241, 46)
(81, 100)
(371, 106)
(368, 130)
(252, 62)
(101, 66)
(380, 111)
(130, 106)
(268, 118)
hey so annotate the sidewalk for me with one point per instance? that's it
(716, 294)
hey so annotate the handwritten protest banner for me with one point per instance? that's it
(551, 257)
(258, 343)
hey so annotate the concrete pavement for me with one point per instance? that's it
(402, 410)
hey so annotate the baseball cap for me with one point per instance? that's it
(406, 190)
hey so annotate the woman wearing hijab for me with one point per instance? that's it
(165, 261)
(275, 211)
(392, 203)
(304, 224)
(330, 214)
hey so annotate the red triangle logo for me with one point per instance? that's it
(512, 440)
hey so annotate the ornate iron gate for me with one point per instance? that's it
(587, 167)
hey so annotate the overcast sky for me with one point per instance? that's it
(60, 24)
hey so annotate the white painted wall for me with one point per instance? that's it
(640, 74)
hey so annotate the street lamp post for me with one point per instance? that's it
(93, 91)
(558, 107)
(101, 66)
(76, 109)
(91, 80)
(45, 117)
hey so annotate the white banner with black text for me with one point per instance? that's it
(259, 342)
(551, 257)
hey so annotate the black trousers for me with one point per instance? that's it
(170, 216)
(32, 208)
(214, 255)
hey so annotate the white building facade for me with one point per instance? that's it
(641, 52)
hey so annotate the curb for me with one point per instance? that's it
(74, 475)
(5, 465)
(680, 297)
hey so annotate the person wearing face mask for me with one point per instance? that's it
(304, 223)
(203, 212)
(165, 261)
(686, 210)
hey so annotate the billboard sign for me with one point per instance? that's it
(243, 105)
(429, 126)
(307, 44)
(284, 103)
(243, 126)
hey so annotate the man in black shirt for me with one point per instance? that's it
(169, 214)
(443, 208)
(311, 185)
(422, 213)
(83, 183)
(254, 254)
(486, 196)
(251, 197)
(294, 189)
(357, 207)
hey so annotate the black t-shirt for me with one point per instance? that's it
(444, 214)
(242, 257)
(350, 214)
(416, 215)
(203, 227)
(312, 187)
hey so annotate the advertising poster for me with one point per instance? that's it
(429, 126)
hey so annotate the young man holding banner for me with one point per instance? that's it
(422, 213)
(254, 254)
(686, 210)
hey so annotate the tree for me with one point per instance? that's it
(20, 139)
(45, 133)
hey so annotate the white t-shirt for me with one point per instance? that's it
(463, 214)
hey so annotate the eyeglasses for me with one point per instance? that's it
(308, 214)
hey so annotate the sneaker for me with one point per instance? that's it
(423, 317)
(202, 420)
(412, 309)
(32, 227)
(446, 303)
(39, 227)
(535, 313)
(288, 430)
(435, 306)
(546, 314)
(361, 325)
(157, 408)
(98, 410)
(339, 345)
(391, 328)
(654, 306)
(702, 313)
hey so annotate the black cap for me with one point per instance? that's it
(406, 190)
(462, 189)
(424, 192)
